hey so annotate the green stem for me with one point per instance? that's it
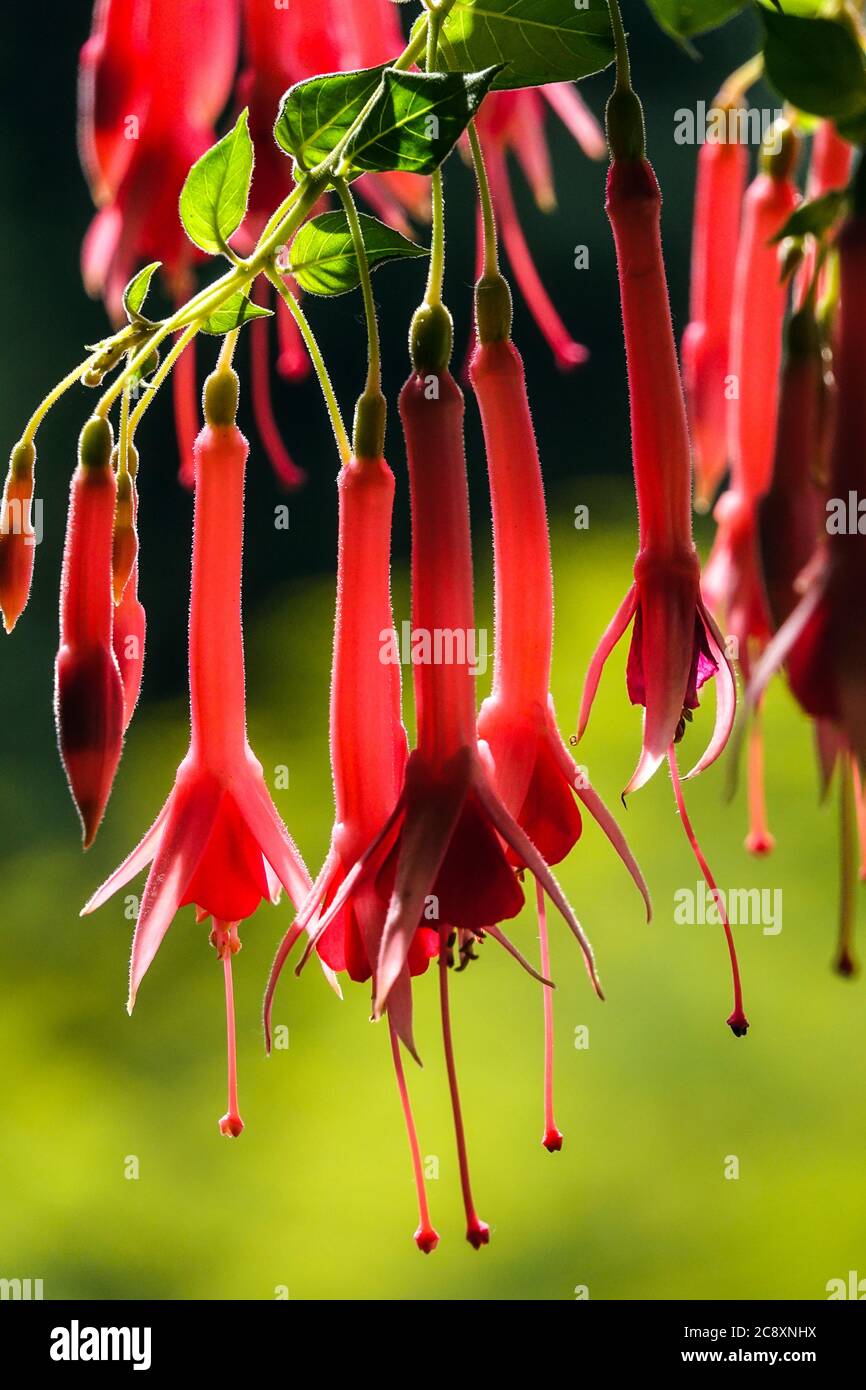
(340, 434)
(160, 376)
(123, 437)
(623, 66)
(845, 962)
(227, 351)
(488, 219)
(374, 360)
(53, 397)
(733, 90)
(280, 226)
(436, 272)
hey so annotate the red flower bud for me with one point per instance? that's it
(88, 687)
(17, 540)
(130, 621)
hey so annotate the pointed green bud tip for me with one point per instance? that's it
(368, 433)
(623, 118)
(95, 443)
(22, 461)
(220, 397)
(779, 150)
(493, 309)
(431, 337)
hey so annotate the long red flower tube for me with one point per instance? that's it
(218, 841)
(721, 179)
(823, 641)
(675, 645)
(368, 757)
(732, 582)
(88, 691)
(829, 170)
(534, 773)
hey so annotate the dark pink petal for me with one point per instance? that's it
(525, 849)
(424, 841)
(726, 695)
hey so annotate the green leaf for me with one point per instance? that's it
(322, 256)
(816, 64)
(315, 115)
(805, 8)
(136, 291)
(537, 40)
(236, 310)
(417, 118)
(213, 200)
(685, 18)
(816, 216)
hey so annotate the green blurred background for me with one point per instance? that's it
(316, 1197)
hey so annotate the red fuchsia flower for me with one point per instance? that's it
(88, 691)
(676, 646)
(533, 771)
(284, 45)
(791, 513)
(130, 620)
(442, 855)
(721, 180)
(218, 841)
(368, 758)
(153, 79)
(17, 540)
(822, 643)
(732, 582)
(515, 121)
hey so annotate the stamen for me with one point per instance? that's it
(287, 471)
(426, 1238)
(567, 352)
(759, 840)
(845, 963)
(860, 806)
(225, 939)
(737, 1022)
(553, 1136)
(185, 399)
(477, 1231)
